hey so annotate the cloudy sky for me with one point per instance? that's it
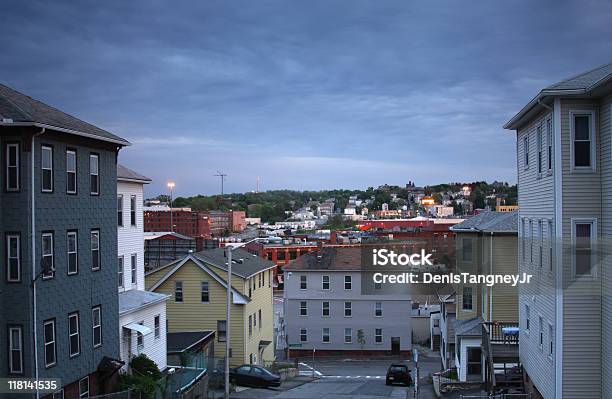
(304, 94)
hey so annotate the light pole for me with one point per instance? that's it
(228, 254)
(171, 187)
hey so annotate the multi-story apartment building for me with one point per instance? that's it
(564, 184)
(486, 244)
(58, 205)
(198, 286)
(326, 310)
(142, 314)
(182, 221)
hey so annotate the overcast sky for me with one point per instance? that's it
(304, 94)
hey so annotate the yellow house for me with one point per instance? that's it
(198, 287)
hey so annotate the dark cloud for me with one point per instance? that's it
(306, 95)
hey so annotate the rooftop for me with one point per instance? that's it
(328, 258)
(126, 174)
(18, 109)
(490, 222)
(244, 264)
(178, 342)
(136, 299)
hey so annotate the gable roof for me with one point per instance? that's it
(244, 264)
(581, 84)
(470, 327)
(17, 109)
(328, 258)
(128, 175)
(237, 297)
(489, 222)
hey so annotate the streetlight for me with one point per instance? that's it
(228, 253)
(171, 187)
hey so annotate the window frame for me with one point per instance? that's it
(348, 282)
(157, 326)
(73, 334)
(348, 308)
(133, 216)
(96, 156)
(84, 394)
(72, 151)
(8, 167)
(9, 256)
(178, 289)
(540, 153)
(96, 233)
(303, 335)
(593, 237)
(52, 342)
(325, 334)
(323, 309)
(44, 148)
(551, 247)
(527, 318)
(120, 210)
(464, 296)
(98, 309)
(303, 282)
(592, 140)
(323, 282)
(551, 341)
(121, 271)
(303, 312)
(75, 234)
(203, 291)
(134, 269)
(51, 235)
(11, 350)
(549, 144)
(541, 333)
(349, 335)
(222, 332)
(464, 258)
(377, 335)
(377, 310)
(526, 151)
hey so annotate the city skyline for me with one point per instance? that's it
(301, 95)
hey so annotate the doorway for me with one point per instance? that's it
(395, 345)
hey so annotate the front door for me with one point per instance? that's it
(395, 345)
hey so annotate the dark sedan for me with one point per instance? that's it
(398, 373)
(254, 376)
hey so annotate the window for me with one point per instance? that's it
(84, 387)
(326, 339)
(540, 149)
(96, 323)
(530, 232)
(205, 297)
(303, 283)
(47, 256)
(250, 325)
(466, 245)
(348, 309)
(95, 251)
(15, 335)
(74, 341)
(13, 257)
(378, 336)
(303, 335)
(156, 326)
(303, 308)
(583, 136)
(133, 210)
(378, 286)
(523, 239)
(280, 255)
(71, 172)
(540, 243)
(292, 255)
(378, 311)
(325, 309)
(348, 335)
(325, 282)
(269, 255)
(549, 143)
(466, 300)
(71, 247)
(120, 210)
(94, 174)
(526, 151)
(260, 320)
(551, 340)
(120, 272)
(49, 339)
(254, 319)
(541, 330)
(551, 236)
(527, 317)
(140, 338)
(46, 169)
(584, 254)
(12, 167)
(133, 268)
(222, 330)
(348, 282)
(178, 291)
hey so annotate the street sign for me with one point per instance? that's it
(295, 346)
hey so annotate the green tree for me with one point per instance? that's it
(361, 339)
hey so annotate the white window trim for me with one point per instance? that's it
(157, 326)
(120, 271)
(94, 326)
(133, 206)
(52, 342)
(77, 334)
(541, 339)
(551, 245)
(10, 256)
(328, 282)
(76, 252)
(120, 222)
(463, 307)
(42, 188)
(592, 138)
(134, 269)
(8, 167)
(527, 318)
(594, 236)
(323, 308)
(305, 334)
(86, 393)
(376, 308)
(551, 340)
(305, 308)
(550, 156)
(351, 336)
(97, 157)
(349, 308)
(202, 291)
(305, 282)
(328, 335)
(72, 171)
(350, 282)
(19, 329)
(97, 234)
(382, 339)
(526, 151)
(51, 235)
(540, 149)
(176, 289)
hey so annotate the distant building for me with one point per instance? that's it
(185, 222)
(161, 248)
(442, 211)
(506, 208)
(388, 214)
(238, 221)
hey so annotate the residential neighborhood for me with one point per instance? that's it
(305, 201)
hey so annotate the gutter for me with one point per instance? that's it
(45, 126)
(33, 254)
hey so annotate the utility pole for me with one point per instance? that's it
(257, 188)
(222, 176)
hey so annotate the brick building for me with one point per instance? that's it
(186, 222)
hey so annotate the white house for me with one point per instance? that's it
(142, 314)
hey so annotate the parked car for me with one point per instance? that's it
(254, 376)
(398, 373)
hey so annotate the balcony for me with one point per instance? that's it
(500, 346)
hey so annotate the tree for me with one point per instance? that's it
(361, 339)
(145, 376)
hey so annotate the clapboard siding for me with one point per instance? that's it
(131, 238)
(505, 297)
(154, 347)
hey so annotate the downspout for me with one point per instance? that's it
(33, 255)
